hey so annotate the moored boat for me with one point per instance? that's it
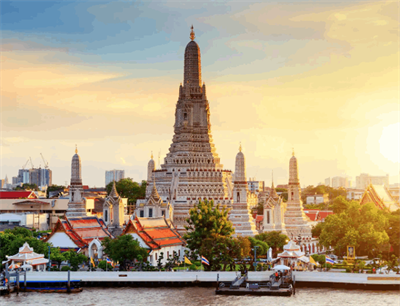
(280, 283)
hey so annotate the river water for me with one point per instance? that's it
(202, 296)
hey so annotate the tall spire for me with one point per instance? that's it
(192, 36)
(273, 193)
(154, 192)
(114, 194)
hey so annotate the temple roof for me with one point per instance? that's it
(17, 195)
(380, 196)
(155, 232)
(82, 230)
(113, 193)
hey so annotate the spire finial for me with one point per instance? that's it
(76, 149)
(272, 177)
(151, 154)
(240, 147)
(292, 151)
(192, 36)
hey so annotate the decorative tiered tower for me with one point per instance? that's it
(192, 169)
(240, 215)
(76, 205)
(295, 219)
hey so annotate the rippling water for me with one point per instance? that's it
(202, 296)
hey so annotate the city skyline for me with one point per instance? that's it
(110, 84)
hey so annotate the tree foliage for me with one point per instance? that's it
(393, 231)
(27, 186)
(75, 259)
(362, 226)
(129, 189)
(206, 221)
(275, 239)
(124, 249)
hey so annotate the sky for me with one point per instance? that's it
(320, 77)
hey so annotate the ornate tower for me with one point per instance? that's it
(295, 218)
(151, 166)
(191, 169)
(240, 215)
(76, 205)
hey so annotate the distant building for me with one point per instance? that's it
(255, 186)
(354, 194)
(339, 182)
(40, 177)
(317, 198)
(364, 179)
(15, 180)
(116, 175)
(328, 182)
(23, 176)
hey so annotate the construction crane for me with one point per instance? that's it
(46, 164)
(23, 167)
(31, 162)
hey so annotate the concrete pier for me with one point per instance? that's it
(202, 278)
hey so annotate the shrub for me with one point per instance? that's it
(65, 268)
(198, 263)
(55, 269)
(193, 267)
(348, 270)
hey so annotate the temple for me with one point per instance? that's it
(80, 233)
(192, 168)
(380, 196)
(158, 235)
(27, 260)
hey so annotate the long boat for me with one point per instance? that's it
(52, 286)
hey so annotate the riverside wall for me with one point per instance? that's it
(203, 278)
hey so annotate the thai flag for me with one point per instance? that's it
(109, 260)
(204, 261)
(329, 260)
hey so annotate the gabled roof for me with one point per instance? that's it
(155, 232)
(18, 195)
(380, 196)
(82, 230)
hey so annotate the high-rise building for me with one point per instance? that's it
(114, 175)
(328, 182)
(40, 177)
(340, 182)
(23, 176)
(364, 179)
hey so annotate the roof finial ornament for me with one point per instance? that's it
(292, 151)
(240, 147)
(192, 36)
(76, 149)
(151, 154)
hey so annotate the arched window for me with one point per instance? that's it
(106, 215)
(268, 217)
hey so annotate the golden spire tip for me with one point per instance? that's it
(292, 151)
(192, 36)
(76, 149)
(240, 147)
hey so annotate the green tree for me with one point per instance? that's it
(393, 231)
(275, 239)
(124, 249)
(75, 259)
(283, 192)
(206, 221)
(105, 266)
(317, 229)
(27, 186)
(261, 246)
(340, 204)
(57, 256)
(129, 189)
(362, 226)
